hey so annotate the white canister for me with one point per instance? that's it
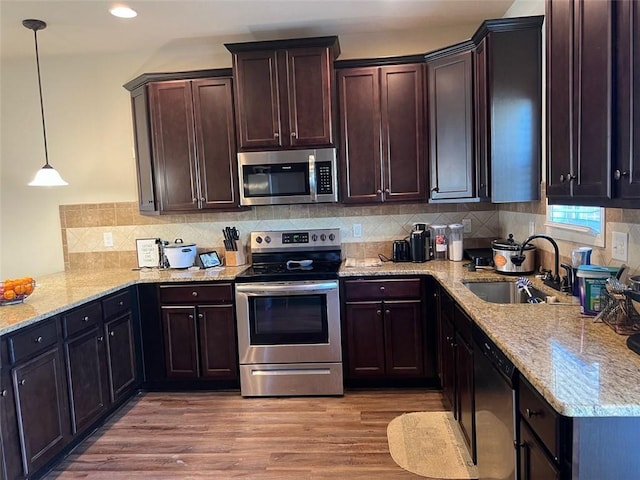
(180, 254)
(456, 234)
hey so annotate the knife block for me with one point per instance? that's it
(235, 258)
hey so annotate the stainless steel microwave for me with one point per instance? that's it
(288, 177)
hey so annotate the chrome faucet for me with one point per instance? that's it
(553, 282)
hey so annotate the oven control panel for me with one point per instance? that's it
(287, 240)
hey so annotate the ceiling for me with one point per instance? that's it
(86, 27)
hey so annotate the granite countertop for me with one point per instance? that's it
(582, 368)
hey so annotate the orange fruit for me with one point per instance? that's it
(9, 295)
(19, 289)
(28, 288)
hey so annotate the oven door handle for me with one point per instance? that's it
(283, 289)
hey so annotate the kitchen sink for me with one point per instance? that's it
(505, 291)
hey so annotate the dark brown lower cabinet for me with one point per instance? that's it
(464, 387)
(87, 373)
(534, 463)
(384, 328)
(199, 336)
(42, 408)
(121, 361)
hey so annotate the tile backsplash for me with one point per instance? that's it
(84, 225)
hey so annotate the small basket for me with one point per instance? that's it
(16, 291)
(619, 313)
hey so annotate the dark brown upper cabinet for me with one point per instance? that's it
(381, 133)
(450, 100)
(284, 92)
(627, 172)
(484, 102)
(579, 101)
(185, 142)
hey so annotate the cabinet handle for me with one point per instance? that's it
(190, 317)
(387, 312)
(531, 413)
(85, 318)
(3, 393)
(200, 315)
(194, 294)
(38, 339)
(382, 288)
(379, 312)
(22, 382)
(100, 339)
(566, 178)
(112, 333)
(149, 201)
(202, 199)
(120, 303)
(276, 135)
(619, 174)
(386, 190)
(194, 200)
(294, 134)
(378, 191)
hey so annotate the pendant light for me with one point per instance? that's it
(47, 176)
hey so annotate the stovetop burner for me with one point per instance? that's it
(293, 255)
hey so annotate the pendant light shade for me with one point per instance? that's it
(47, 176)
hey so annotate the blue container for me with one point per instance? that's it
(591, 279)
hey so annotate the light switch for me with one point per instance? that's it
(620, 246)
(357, 230)
(107, 238)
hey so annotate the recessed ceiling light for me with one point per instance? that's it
(123, 12)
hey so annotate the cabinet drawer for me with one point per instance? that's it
(117, 304)
(33, 340)
(545, 422)
(382, 289)
(196, 293)
(82, 318)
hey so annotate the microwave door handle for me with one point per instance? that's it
(313, 189)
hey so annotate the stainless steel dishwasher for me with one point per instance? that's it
(495, 410)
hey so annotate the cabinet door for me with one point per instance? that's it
(144, 158)
(451, 127)
(215, 139)
(593, 84)
(365, 339)
(534, 463)
(448, 363)
(42, 412)
(180, 342)
(464, 387)
(257, 100)
(87, 377)
(402, 114)
(559, 24)
(359, 93)
(309, 79)
(580, 99)
(481, 119)
(121, 358)
(218, 350)
(404, 346)
(174, 145)
(627, 174)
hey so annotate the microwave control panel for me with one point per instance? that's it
(325, 178)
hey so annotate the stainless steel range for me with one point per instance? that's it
(288, 311)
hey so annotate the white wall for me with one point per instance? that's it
(90, 136)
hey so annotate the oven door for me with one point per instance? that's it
(288, 322)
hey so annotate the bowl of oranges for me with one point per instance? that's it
(16, 290)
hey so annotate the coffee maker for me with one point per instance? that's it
(420, 240)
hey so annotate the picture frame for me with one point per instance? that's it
(148, 252)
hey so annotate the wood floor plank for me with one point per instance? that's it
(220, 435)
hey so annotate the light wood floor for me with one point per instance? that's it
(217, 435)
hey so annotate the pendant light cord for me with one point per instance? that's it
(44, 128)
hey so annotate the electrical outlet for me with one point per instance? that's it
(532, 228)
(620, 246)
(467, 225)
(107, 238)
(357, 230)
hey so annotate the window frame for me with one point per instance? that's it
(576, 233)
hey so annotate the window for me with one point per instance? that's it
(583, 225)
